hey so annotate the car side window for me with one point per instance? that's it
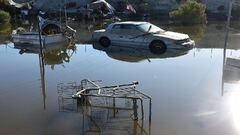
(131, 29)
(125, 29)
(117, 26)
(116, 29)
(128, 27)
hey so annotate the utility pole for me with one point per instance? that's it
(65, 12)
(227, 28)
(226, 40)
(42, 63)
(40, 36)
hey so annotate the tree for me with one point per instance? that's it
(191, 12)
(4, 17)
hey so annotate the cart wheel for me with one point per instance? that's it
(157, 47)
(105, 42)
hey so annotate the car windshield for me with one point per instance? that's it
(150, 28)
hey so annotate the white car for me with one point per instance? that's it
(142, 35)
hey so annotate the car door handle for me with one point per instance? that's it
(121, 36)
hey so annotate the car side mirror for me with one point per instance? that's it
(150, 27)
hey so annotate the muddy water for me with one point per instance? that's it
(190, 95)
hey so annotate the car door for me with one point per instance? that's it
(126, 35)
(117, 34)
(130, 35)
(135, 36)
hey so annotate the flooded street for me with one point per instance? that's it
(190, 95)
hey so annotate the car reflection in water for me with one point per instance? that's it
(53, 54)
(130, 54)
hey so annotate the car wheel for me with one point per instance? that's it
(157, 47)
(105, 42)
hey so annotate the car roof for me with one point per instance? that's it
(126, 22)
(130, 22)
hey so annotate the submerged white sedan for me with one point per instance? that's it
(142, 35)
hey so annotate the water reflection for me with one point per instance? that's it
(53, 54)
(42, 76)
(129, 54)
(186, 91)
(231, 87)
(196, 32)
(231, 70)
(231, 80)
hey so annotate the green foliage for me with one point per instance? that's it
(4, 5)
(191, 12)
(199, 1)
(5, 32)
(5, 28)
(4, 16)
(5, 2)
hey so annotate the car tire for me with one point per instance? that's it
(157, 47)
(104, 41)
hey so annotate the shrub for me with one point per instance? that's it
(191, 12)
(4, 2)
(4, 16)
(4, 5)
(5, 29)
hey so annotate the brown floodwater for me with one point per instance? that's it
(190, 95)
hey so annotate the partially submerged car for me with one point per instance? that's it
(142, 35)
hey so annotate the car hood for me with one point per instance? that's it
(172, 35)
